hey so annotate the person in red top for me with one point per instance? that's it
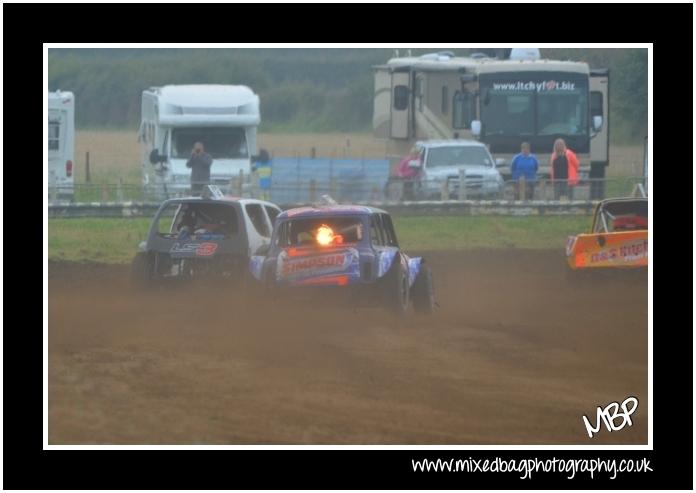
(404, 170)
(564, 170)
(407, 173)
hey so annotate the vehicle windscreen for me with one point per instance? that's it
(220, 143)
(327, 231)
(536, 105)
(563, 113)
(200, 219)
(458, 156)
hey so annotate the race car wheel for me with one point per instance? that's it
(397, 288)
(423, 293)
(143, 273)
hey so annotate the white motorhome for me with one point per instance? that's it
(61, 143)
(498, 102)
(174, 117)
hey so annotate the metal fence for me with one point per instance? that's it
(357, 187)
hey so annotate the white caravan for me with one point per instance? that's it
(61, 143)
(223, 117)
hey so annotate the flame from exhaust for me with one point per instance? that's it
(325, 236)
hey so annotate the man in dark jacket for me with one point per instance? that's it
(200, 163)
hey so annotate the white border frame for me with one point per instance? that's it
(649, 446)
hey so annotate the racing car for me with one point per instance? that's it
(618, 238)
(203, 236)
(348, 250)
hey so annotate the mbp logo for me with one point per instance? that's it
(610, 414)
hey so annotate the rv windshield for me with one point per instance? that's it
(220, 143)
(562, 113)
(543, 104)
(458, 156)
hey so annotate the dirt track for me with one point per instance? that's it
(515, 355)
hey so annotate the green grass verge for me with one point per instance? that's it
(469, 232)
(116, 240)
(109, 240)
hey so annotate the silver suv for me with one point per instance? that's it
(441, 162)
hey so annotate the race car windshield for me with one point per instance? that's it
(322, 232)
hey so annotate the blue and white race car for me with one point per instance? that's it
(345, 249)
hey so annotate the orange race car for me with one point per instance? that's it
(619, 237)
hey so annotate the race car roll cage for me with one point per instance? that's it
(194, 217)
(602, 214)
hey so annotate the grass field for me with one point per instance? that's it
(115, 154)
(116, 240)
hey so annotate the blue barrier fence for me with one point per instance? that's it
(295, 179)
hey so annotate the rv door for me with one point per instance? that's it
(400, 107)
(599, 106)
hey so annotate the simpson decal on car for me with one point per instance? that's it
(293, 268)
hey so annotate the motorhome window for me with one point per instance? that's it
(508, 113)
(562, 112)
(53, 135)
(543, 104)
(445, 100)
(458, 156)
(258, 219)
(596, 103)
(220, 143)
(303, 232)
(462, 110)
(400, 98)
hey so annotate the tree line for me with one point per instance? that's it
(301, 90)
